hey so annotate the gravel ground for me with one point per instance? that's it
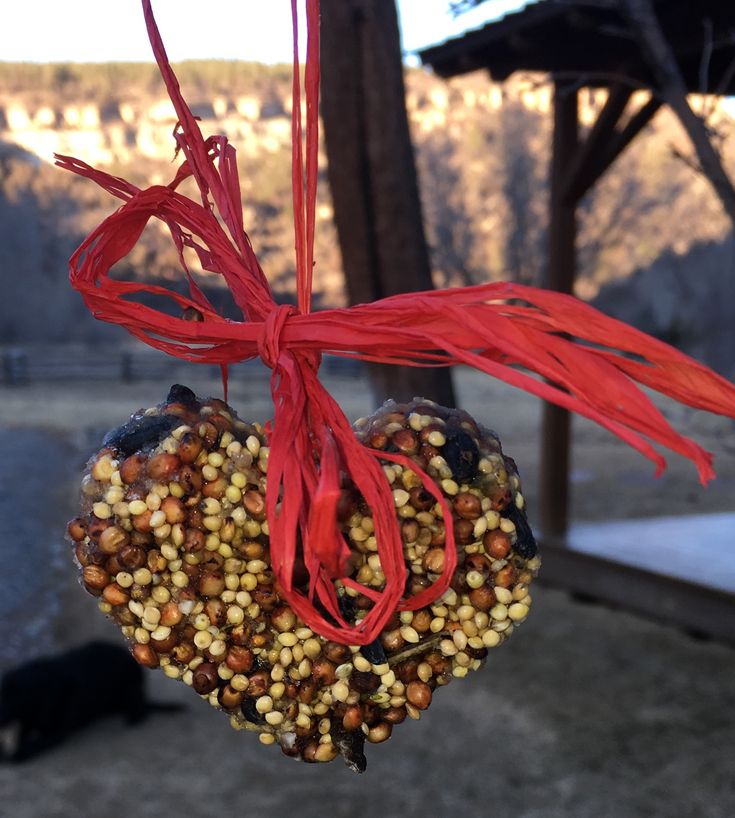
(586, 712)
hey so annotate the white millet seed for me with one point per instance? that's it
(202, 639)
(518, 611)
(410, 634)
(400, 497)
(265, 703)
(436, 439)
(252, 444)
(499, 612)
(102, 511)
(508, 526)
(137, 507)
(490, 639)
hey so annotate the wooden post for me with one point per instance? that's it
(15, 367)
(372, 175)
(126, 367)
(555, 426)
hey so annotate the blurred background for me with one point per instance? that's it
(591, 709)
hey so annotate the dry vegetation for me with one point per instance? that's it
(483, 172)
(54, 83)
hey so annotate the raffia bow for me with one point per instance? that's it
(592, 363)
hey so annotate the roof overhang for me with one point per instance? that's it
(594, 45)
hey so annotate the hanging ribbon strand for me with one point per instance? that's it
(505, 330)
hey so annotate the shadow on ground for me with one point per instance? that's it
(585, 712)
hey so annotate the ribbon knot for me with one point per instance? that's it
(269, 342)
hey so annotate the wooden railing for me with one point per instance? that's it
(23, 365)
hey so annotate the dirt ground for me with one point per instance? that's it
(586, 712)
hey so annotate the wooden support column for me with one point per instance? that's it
(575, 168)
(555, 426)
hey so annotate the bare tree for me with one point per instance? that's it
(660, 57)
(448, 220)
(523, 187)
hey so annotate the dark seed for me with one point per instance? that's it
(351, 747)
(132, 556)
(259, 682)
(463, 531)
(140, 432)
(364, 682)
(405, 441)
(290, 750)
(460, 452)
(308, 753)
(421, 499)
(205, 678)
(182, 394)
(370, 713)
(336, 653)
(407, 671)
(346, 606)
(251, 714)
(322, 671)
(394, 715)
(374, 653)
(526, 544)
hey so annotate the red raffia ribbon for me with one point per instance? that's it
(497, 328)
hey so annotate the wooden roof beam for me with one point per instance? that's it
(579, 174)
(617, 143)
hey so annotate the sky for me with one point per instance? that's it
(260, 30)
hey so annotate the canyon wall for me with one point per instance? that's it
(482, 152)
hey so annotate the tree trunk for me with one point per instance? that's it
(662, 62)
(372, 174)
